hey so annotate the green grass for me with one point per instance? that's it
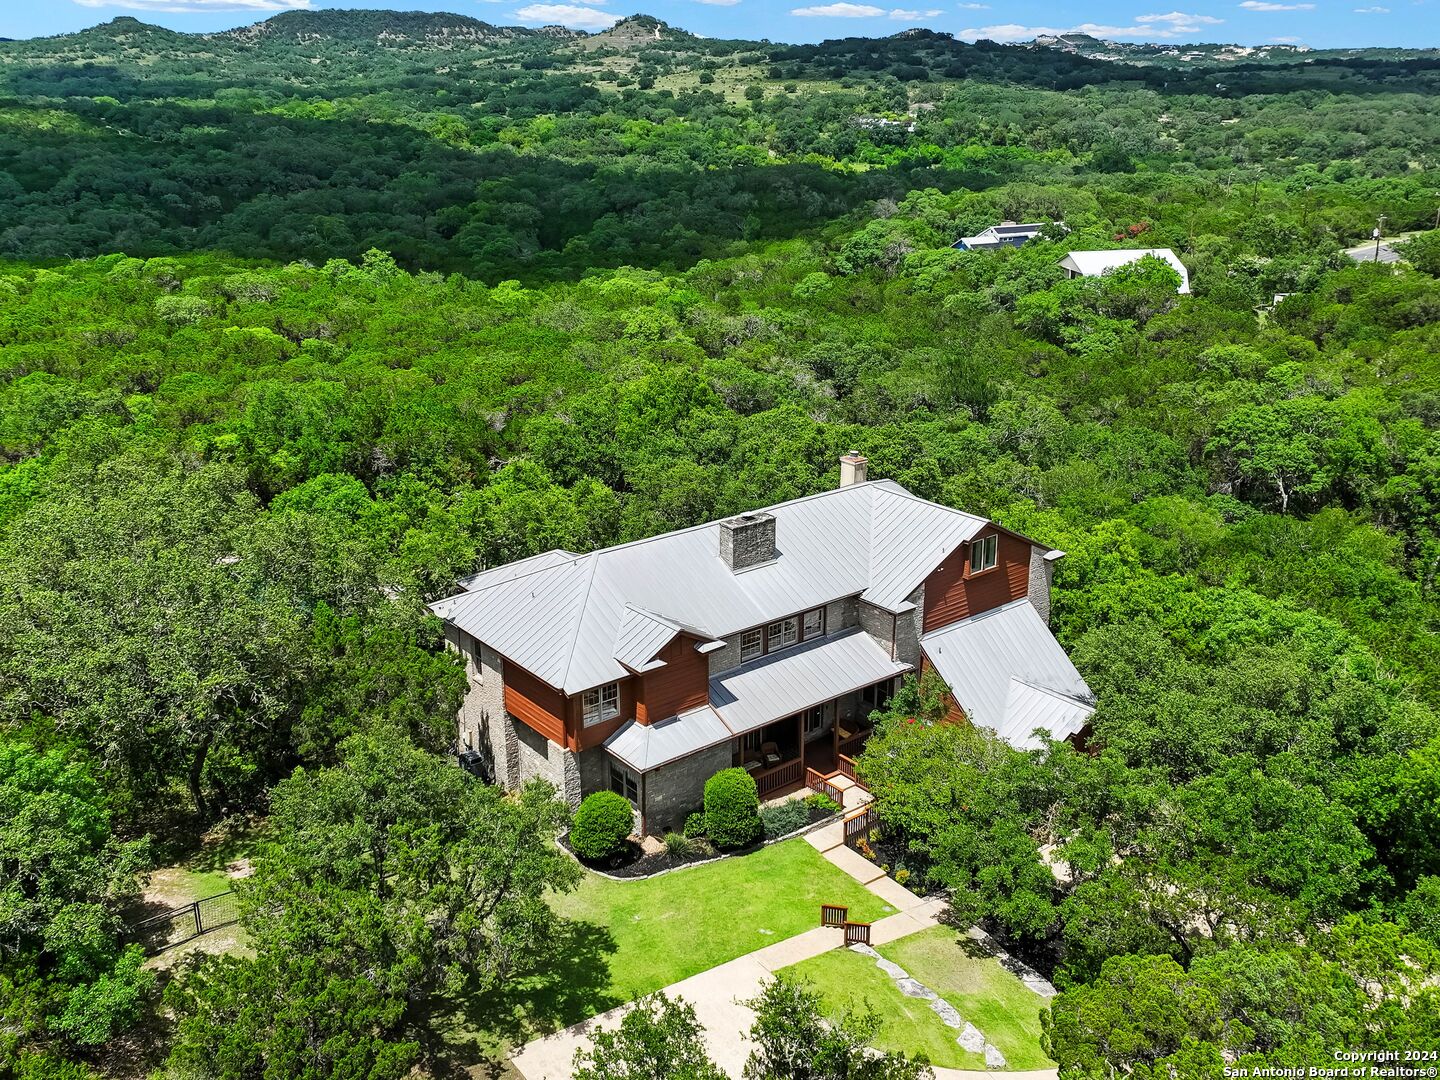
(623, 939)
(670, 927)
(959, 971)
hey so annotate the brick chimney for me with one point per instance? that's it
(747, 540)
(853, 468)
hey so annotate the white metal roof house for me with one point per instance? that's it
(1098, 263)
(1006, 234)
(763, 641)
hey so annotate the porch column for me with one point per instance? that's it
(800, 729)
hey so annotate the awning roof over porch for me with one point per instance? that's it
(648, 746)
(800, 678)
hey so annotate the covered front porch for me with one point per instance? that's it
(824, 738)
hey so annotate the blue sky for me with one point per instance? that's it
(1321, 23)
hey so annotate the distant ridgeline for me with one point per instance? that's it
(499, 152)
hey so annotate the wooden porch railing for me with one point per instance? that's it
(847, 768)
(818, 781)
(857, 933)
(858, 825)
(769, 781)
(852, 745)
(834, 915)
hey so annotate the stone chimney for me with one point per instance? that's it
(853, 468)
(747, 540)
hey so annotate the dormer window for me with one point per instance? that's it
(782, 634)
(601, 704)
(983, 553)
(812, 624)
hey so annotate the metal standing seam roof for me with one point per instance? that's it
(1096, 263)
(648, 746)
(1008, 673)
(564, 618)
(785, 683)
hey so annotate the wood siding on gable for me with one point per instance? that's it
(535, 702)
(952, 593)
(582, 737)
(683, 683)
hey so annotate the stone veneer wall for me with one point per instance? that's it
(908, 628)
(1042, 572)
(878, 623)
(674, 791)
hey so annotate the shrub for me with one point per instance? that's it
(784, 818)
(732, 809)
(679, 845)
(602, 823)
(822, 803)
(695, 825)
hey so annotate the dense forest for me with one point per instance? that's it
(301, 322)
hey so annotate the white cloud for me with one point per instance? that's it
(191, 6)
(839, 11)
(1170, 24)
(907, 13)
(974, 7)
(1266, 5)
(571, 15)
(1372, 11)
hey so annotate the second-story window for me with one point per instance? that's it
(982, 553)
(752, 644)
(601, 704)
(812, 624)
(782, 634)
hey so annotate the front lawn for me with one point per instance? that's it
(957, 969)
(622, 939)
(668, 928)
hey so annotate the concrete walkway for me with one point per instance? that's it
(716, 994)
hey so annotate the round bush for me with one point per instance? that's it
(732, 809)
(602, 823)
(695, 826)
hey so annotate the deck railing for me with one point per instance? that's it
(857, 933)
(834, 915)
(852, 745)
(769, 781)
(858, 825)
(847, 768)
(818, 781)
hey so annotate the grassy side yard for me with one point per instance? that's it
(670, 927)
(959, 971)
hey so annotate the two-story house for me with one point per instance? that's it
(763, 641)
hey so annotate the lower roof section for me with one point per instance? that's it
(759, 693)
(800, 678)
(648, 746)
(1008, 673)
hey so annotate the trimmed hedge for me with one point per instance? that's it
(602, 824)
(732, 809)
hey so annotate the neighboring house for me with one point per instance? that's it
(1006, 234)
(1096, 263)
(763, 641)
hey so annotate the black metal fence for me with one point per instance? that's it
(182, 924)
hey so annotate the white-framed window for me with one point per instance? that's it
(624, 782)
(601, 704)
(812, 624)
(983, 553)
(752, 644)
(782, 634)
